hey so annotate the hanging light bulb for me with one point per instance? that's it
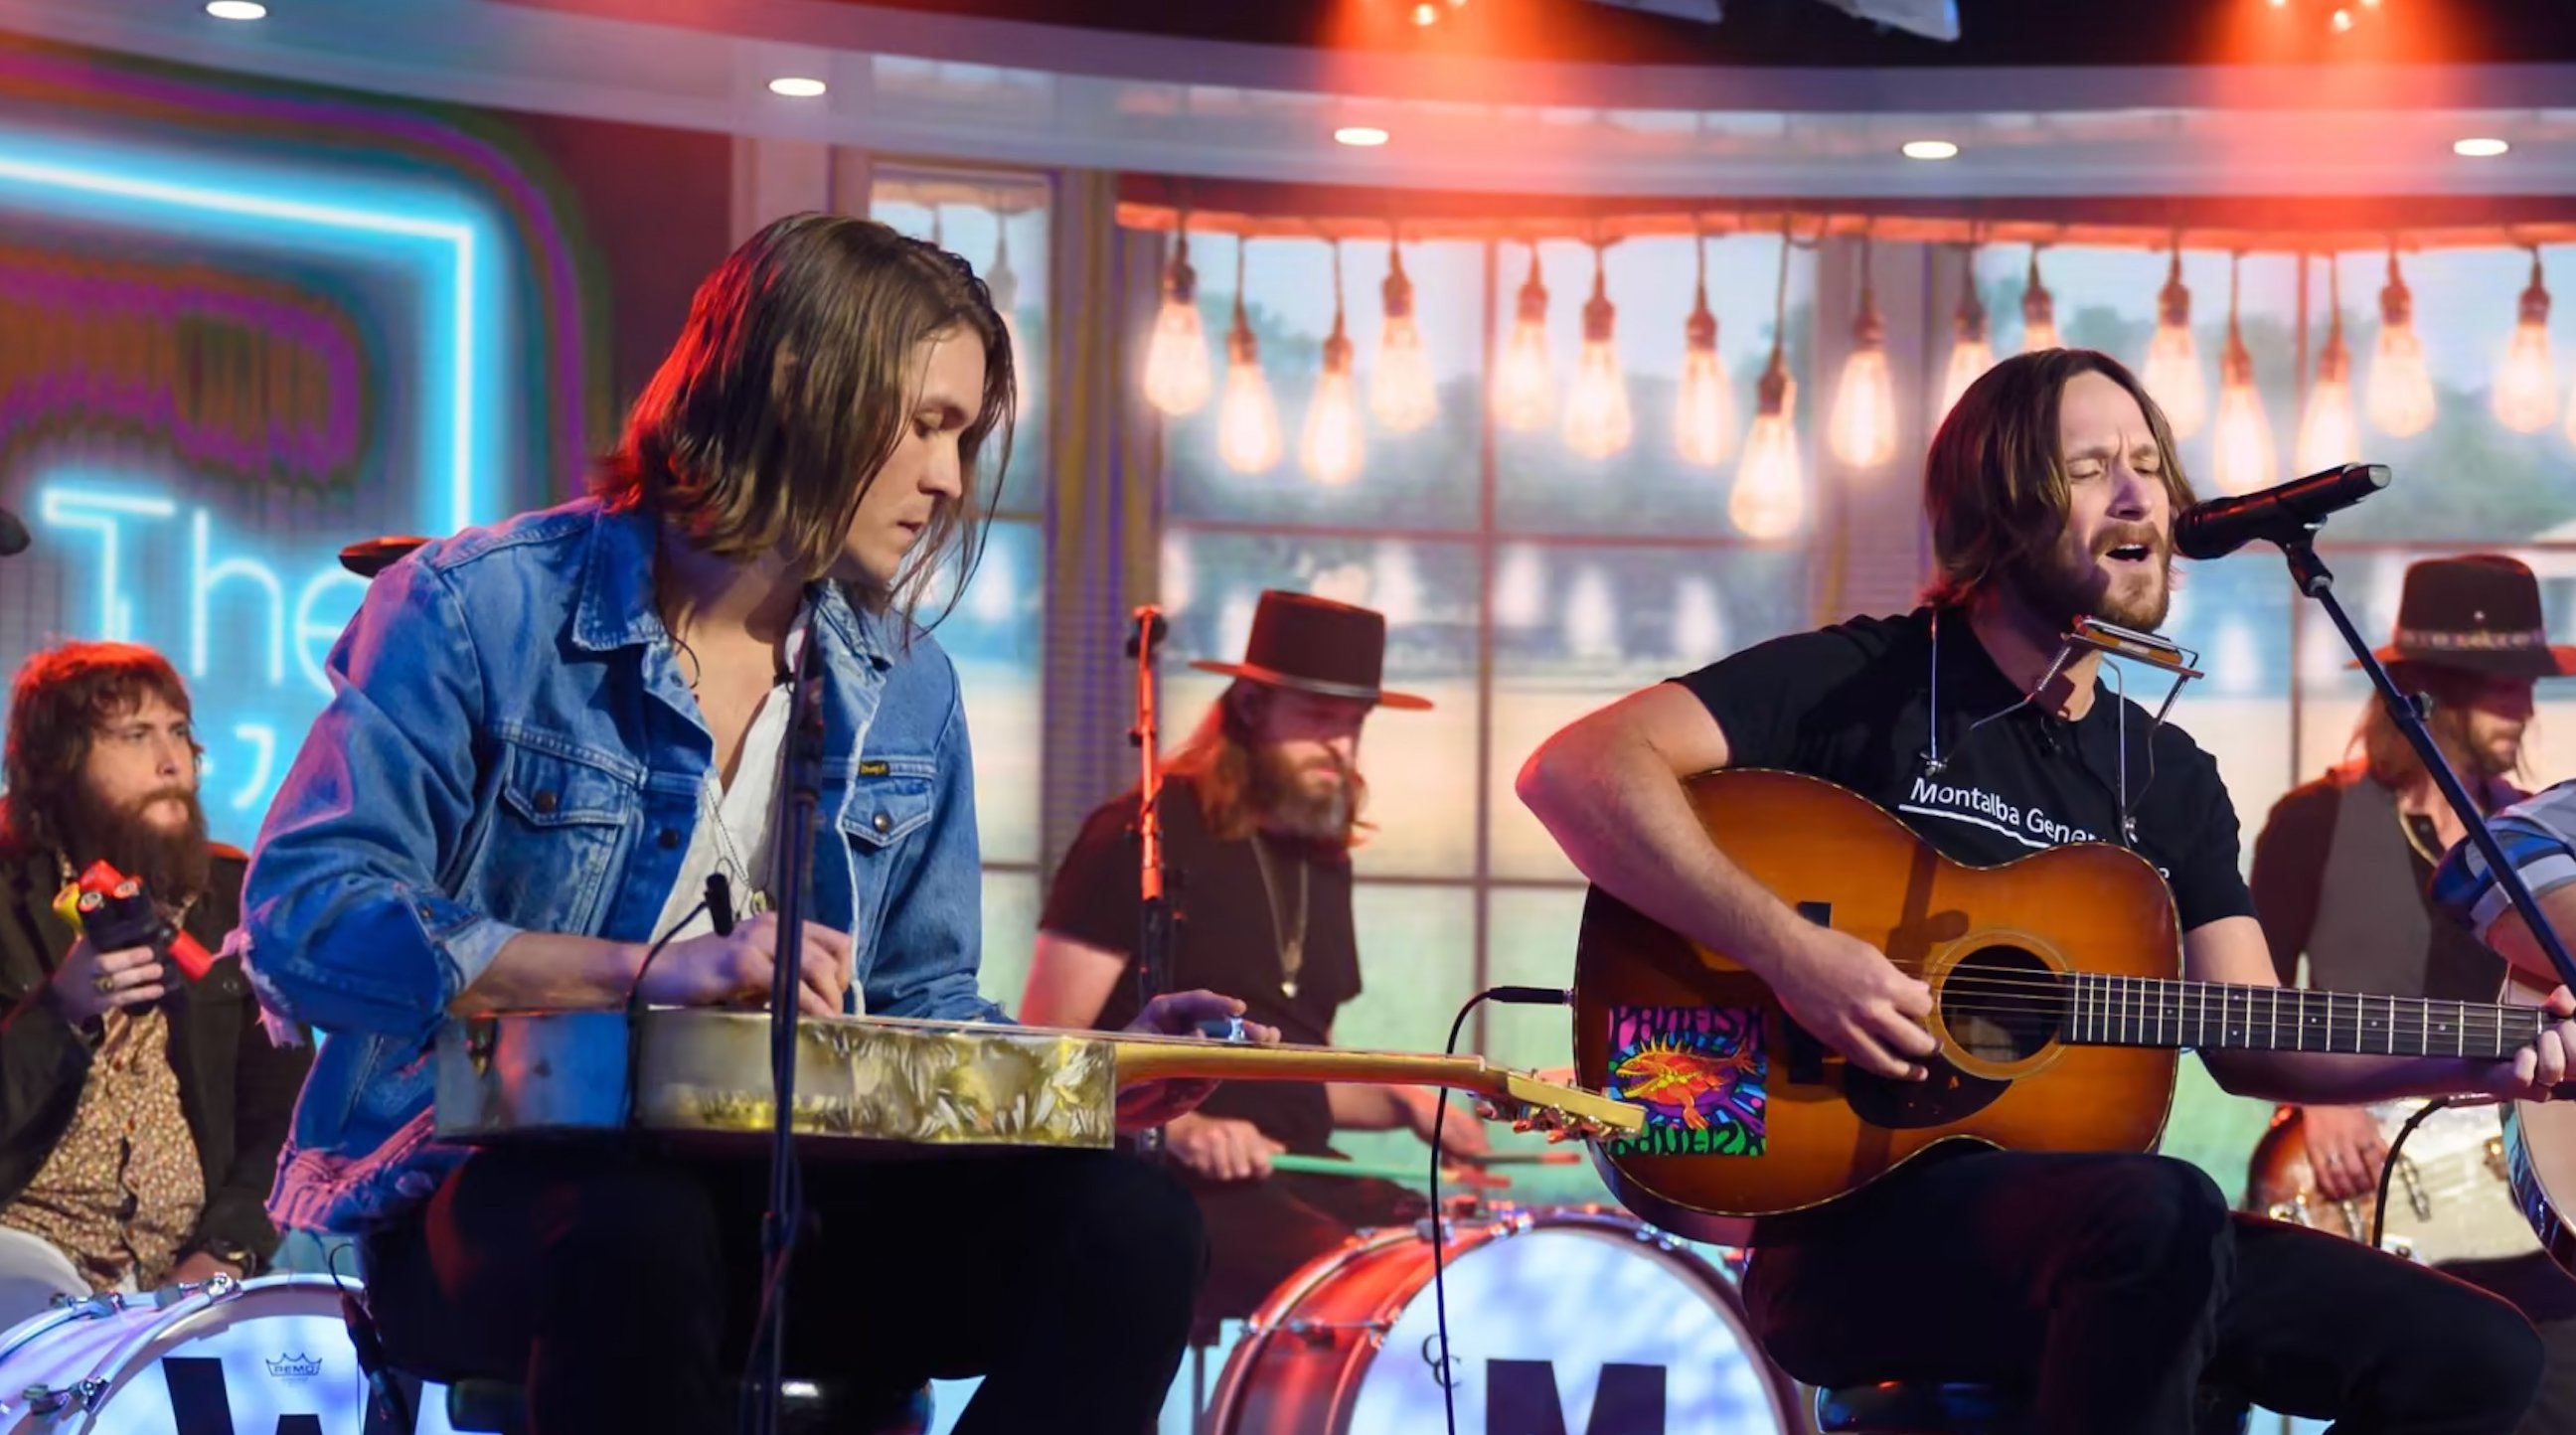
(1704, 415)
(2173, 360)
(2243, 459)
(1863, 432)
(1176, 360)
(1972, 346)
(1402, 392)
(1770, 497)
(1524, 393)
(1597, 421)
(2401, 388)
(1331, 445)
(2526, 388)
(1247, 421)
(2038, 311)
(2330, 434)
(1003, 284)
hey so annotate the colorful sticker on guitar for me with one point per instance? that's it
(1698, 1071)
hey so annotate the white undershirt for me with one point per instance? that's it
(733, 831)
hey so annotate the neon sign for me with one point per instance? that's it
(146, 553)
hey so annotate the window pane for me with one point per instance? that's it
(1577, 627)
(1011, 903)
(1543, 486)
(1425, 478)
(998, 223)
(994, 635)
(1420, 766)
(1417, 967)
(2237, 615)
(1532, 943)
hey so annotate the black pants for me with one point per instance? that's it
(2112, 1287)
(2546, 1298)
(1261, 1232)
(622, 1288)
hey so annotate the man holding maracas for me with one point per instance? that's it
(141, 1101)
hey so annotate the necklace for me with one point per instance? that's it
(1291, 944)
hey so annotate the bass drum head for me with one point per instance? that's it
(271, 1355)
(1558, 1321)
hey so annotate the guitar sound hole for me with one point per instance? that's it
(2002, 1004)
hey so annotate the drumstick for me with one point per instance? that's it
(1356, 1170)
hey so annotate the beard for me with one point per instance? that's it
(173, 863)
(2062, 585)
(1280, 793)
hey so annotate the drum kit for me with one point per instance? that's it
(270, 1356)
(1560, 1318)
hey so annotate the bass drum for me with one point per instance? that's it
(1559, 1320)
(265, 1357)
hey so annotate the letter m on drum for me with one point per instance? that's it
(1522, 1400)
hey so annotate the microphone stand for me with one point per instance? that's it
(792, 823)
(2408, 710)
(1154, 926)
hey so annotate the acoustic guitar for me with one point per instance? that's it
(2451, 1197)
(2059, 1010)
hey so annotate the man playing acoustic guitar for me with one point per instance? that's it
(2116, 1290)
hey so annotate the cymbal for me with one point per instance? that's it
(372, 556)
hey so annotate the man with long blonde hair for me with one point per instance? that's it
(2341, 872)
(1260, 809)
(548, 738)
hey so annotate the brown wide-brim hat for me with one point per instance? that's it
(2478, 613)
(1316, 645)
(374, 555)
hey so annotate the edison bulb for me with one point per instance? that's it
(1597, 421)
(2526, 386)
(1863, 432)
(1704, 413)
(1330, 447)
(1176, 359)
(1770, 496)
(2400, 394)
(2243, 460)
(1247, 424)
(1524, 392)
(1402, 391)
(2330, 433)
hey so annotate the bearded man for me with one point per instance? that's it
(1260, 809)
(140, 1111)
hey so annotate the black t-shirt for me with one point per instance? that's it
(1854, 704)
(1226, 937)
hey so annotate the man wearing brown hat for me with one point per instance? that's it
(1260, 809)
(2340, 874)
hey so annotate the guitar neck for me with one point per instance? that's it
(1142, 1059)
(2161, 1012)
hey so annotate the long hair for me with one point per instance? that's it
(61, 698)
(789, 388)
(1994, 482)
(1221, 759)
(2383, 751)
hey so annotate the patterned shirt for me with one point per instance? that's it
(2537, 835)
(123, 1191)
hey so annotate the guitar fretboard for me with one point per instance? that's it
(2151, 1011)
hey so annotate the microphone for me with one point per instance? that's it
(2284, 513)
(13, 534)
(1530, 996)
(720, 903)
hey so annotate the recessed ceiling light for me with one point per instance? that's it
(1426, 13)
(236, 9)
(2481, 148)
(1361, 136)
(1929, 149)
(796, 87)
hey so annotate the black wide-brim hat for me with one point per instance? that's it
(1316, 645)
(2478, 613)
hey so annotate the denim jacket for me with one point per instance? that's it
(510, 746)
